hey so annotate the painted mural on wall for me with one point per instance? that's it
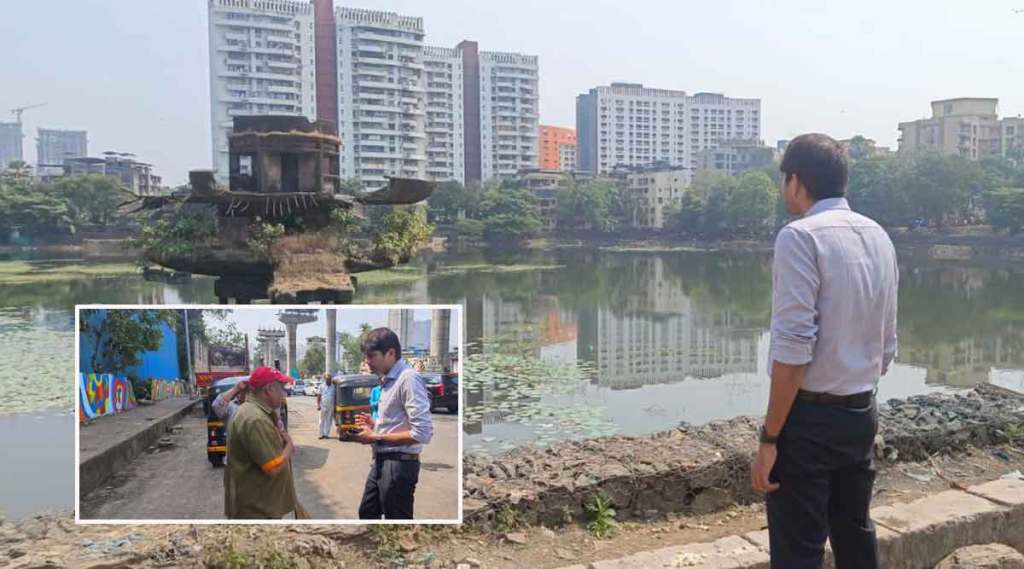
(160, 389)
(101, 394)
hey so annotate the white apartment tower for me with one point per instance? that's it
(262, 62)
(629, 125)
(445, 123)
(382, 99)
(509, 115)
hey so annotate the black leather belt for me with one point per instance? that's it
(862, 399)
(405, 457)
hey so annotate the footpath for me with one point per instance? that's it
(917, 534)
(106, 445)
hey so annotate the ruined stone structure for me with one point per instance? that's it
(283, 170)
(269, 338)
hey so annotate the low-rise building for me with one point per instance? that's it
(136, 177)
(650, 192)
(545, 185)
(735, 157)
(965, 126)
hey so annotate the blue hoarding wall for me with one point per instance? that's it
(161, 364)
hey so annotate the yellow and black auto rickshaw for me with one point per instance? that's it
(216, 442)
(351, 398)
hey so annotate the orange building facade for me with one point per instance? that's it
(551, 140)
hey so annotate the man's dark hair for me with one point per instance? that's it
(381, 340)
(819, 162)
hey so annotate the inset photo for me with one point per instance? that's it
(264, 414)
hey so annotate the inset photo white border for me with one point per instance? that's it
(457, 312)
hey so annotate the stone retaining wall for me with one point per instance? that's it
(702, 469)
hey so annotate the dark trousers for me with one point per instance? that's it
(389, 490)
(825, 470)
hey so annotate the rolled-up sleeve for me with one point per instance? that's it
(796, 281)
(891, 309)
(417, 407)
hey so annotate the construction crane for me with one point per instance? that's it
(18, 111)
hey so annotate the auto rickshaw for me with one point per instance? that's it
(351, 398)
(216, 443)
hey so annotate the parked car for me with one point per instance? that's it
(312, 389)
(299, 387)
(443, 389)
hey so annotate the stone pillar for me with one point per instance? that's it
(292, 328)
(440, 339)
(400, 322)
(332, 340)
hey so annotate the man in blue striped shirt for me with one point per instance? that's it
(833, 335)
(402, 426)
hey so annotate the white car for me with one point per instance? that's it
(312, 389)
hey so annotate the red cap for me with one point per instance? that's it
(265, 376)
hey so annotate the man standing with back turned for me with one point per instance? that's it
(833, 335)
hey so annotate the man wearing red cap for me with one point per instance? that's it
(258, 481)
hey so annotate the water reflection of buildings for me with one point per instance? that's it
(636, 349)
(967, 362)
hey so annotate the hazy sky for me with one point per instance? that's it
(135, 73)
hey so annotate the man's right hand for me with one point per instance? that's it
(363, 421)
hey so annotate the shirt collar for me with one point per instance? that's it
(827, 204)
(259, 403)
(395, 370)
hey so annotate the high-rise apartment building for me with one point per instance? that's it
(628, 125)
(553, 143)
(54, 146)
(403, 109)
(11, 139)
(445, 130)
(262, 62)
(382, 99)
(509, 114)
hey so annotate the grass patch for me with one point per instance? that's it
(602, 517)
(25, 272)
(385, 540)
(397, 275)
(507, 519)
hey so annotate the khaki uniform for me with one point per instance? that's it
(255, 446)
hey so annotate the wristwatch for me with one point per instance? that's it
(766, 439)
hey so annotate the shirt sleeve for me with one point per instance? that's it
(889, 350)
(220, 405)
(264, 445)
(794, 325)
(417, 407)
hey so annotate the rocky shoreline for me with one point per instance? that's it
(691, 470)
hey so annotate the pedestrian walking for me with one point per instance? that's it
(402, 427)
(833, 335)
(325, 404)
(258, 480)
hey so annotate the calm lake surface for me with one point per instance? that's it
(564, 344)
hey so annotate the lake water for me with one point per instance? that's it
(564, 344)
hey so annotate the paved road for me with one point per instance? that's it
(178, 482)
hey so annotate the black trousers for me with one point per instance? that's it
(825, 470)
(389, 490)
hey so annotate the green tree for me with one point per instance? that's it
(119, 337)
(685, 217)
(510, 215)
(594, 205)
(860, 148)
(33, 212)
(91, 198)
(314, 362)
(400, 234)
(452, 201)
(226, 334)
(873, 190)
(751, 205)
(939, 187)
(1004, 208)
